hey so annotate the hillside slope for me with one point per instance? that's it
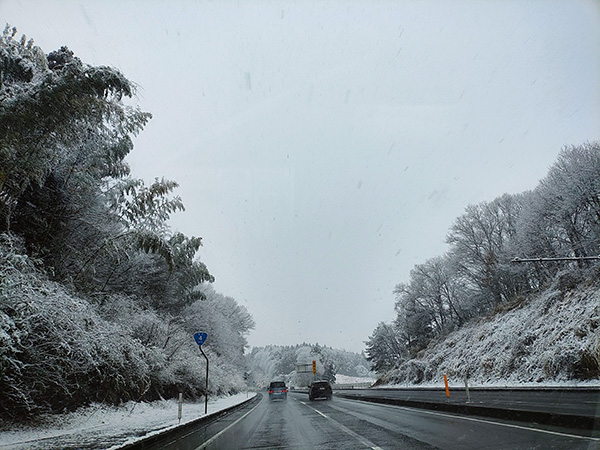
(552, 337)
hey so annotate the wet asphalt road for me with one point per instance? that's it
(346, 424)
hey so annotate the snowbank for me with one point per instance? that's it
(341, 379)
(102, 427)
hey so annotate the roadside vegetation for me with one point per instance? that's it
(475, 311)
(99, 298)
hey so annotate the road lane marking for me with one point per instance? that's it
(347, 430)
(472, 419)
(212, 439)
(319, 412)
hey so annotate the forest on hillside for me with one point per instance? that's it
(281, 362)
(535, 252)
(99, 298)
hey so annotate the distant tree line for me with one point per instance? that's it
(477, 275)
(98, 297)
(280, 361)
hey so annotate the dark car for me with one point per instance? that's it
(320, 389)
(277, 389)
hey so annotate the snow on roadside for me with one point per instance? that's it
(102, 427)
(550, 340)
(346, 379)
(460, 384)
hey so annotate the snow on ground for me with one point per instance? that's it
(553, 339)
(102, 427)
(460, 384)
(345, 379)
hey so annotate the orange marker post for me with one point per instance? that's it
(446, 383)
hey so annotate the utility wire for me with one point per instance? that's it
(570, 258)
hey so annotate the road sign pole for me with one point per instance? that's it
(206, 393)
(200, 338)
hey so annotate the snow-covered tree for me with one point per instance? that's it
(563, 216)
(274, 361)
(384, 348)
(481, 242)
(559, 218)
(94, 286)
(63, 128)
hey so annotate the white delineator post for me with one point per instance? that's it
(180, 406)
(467, 390)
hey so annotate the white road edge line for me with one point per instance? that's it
(347, 430)
(556, 433)
(472, 419)
(212, 439)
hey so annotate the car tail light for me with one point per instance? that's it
(285, 390)
(271, 391)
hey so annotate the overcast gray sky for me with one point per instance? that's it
(324, 148)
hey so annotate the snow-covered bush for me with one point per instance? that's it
(60, 351)
(57, 351)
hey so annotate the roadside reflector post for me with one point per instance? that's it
(246, 376)
(180, 406)
(446, 383)
(467, 390)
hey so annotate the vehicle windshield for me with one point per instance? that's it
(391, 207)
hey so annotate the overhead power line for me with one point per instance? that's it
(569, 258)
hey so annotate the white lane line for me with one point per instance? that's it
(212, 439)
(519, 427)
(319, 412)
(472, 419)
(347, 430)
